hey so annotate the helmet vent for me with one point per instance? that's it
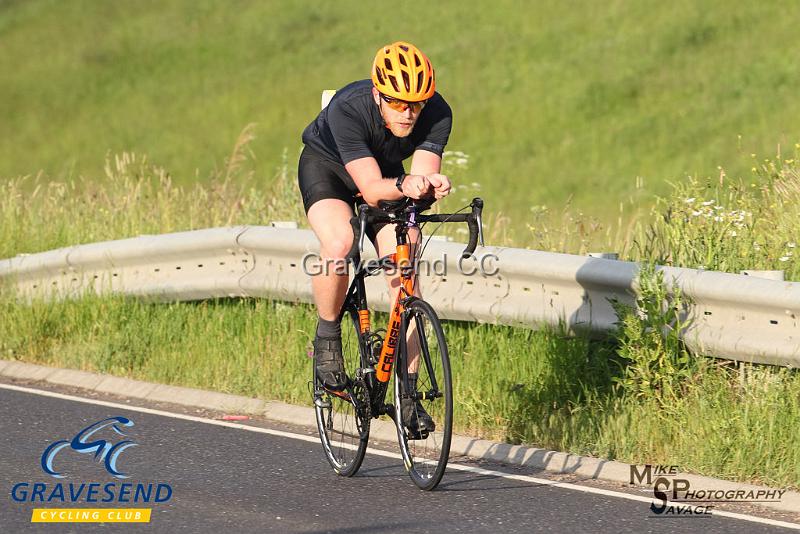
(388, 63)
(403, 61)
(419, 80)
(404, 47)
(430, 81)
(394, 82)
(406, 81)
(379, 76)
(417, 61)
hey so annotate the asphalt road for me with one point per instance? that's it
(244, 481)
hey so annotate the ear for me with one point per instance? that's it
(375, 96)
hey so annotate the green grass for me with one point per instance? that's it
(574, 115)
(537, 387)
(552, 99)
(636, 397)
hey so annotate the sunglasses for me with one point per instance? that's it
(401, 105)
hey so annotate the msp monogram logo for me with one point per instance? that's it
(103, 450)
(674, 495)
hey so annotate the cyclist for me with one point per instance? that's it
(354, 152)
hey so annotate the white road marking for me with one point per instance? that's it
(388, 454)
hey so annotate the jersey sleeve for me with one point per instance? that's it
(439, 131)
(349, 132)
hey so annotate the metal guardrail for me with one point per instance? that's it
(732, 316)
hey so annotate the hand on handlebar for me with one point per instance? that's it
(440, 184)
(416, 186)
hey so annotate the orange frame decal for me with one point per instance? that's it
(363, 320)
(383, 370)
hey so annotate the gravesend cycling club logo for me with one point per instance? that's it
(103, 442)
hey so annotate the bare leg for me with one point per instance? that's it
(330, 220)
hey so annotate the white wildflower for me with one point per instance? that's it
(791, 245)
(709, 202)
(697, 213)
(689, 200)
(783, 258)
(717, 218)
(733, 233)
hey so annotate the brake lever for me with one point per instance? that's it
(477, 210)
(362, 219)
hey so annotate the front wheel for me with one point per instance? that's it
(423, 343)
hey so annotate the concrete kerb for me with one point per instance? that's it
(29, 371)
(553, 461)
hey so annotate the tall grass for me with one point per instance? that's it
(136, 197)
(721, 223)
(729, 224)
(637, 396)
(552, 98)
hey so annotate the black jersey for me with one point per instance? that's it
(351, 127)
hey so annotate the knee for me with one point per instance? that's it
(335, 249)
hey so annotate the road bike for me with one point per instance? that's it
(374, 358)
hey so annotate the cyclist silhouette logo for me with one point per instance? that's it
(104, 451)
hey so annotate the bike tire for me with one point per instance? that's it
(343, 418)
(426, 459)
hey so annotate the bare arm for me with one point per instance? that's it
(424, 162)
(367, 176)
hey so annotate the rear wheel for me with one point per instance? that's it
(343, 417)
(425, 454)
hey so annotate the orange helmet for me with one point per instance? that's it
(402, 71)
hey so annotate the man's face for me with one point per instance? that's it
(400, 123)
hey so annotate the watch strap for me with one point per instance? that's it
(399, 182)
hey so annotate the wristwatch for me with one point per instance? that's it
(399, 182)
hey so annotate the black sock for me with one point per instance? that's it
(329, 329)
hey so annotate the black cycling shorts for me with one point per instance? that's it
(320, 178)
